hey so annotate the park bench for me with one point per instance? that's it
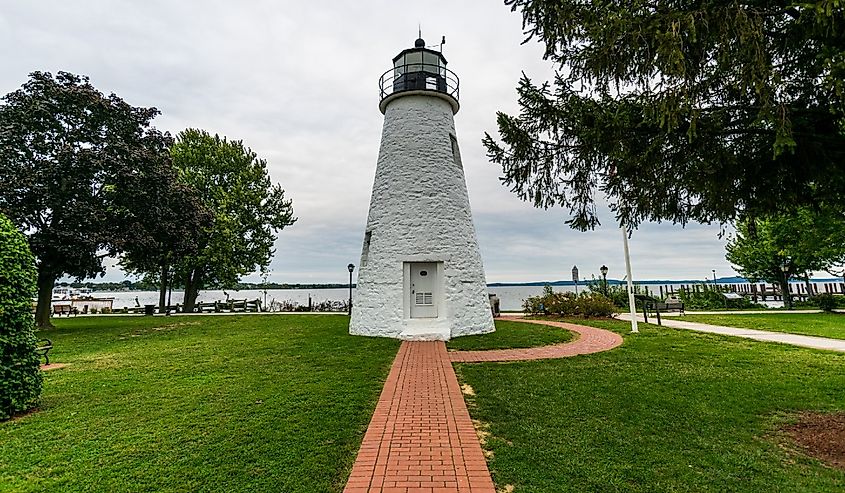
(652, 304)
(63, 309)
(237, 305)
(208, 307)
(44, 347)
(253, 306)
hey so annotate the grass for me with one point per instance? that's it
(236, 403)
(814, 324)
(669, 410)
(512, 335)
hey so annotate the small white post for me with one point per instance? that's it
(631, 303)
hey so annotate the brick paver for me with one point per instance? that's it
(590, 340)
(421, 438)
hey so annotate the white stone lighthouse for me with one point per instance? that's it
(420, 275)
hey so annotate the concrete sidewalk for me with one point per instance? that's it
(738, 312)
(758, 335)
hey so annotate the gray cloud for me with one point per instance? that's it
(298, 83)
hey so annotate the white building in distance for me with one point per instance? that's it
(420, 275)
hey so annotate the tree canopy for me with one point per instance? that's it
(70, 160)
(778, 248)
(679, 111)
(247, 210)
(170, 224)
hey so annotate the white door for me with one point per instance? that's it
(423, 290)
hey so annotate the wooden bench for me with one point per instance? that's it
(44, 347)
(59, 310)
(653, 304)
(207, 307)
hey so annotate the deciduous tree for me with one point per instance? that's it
(679, 111)
(248, 210)
(170, 223)
(67, 156)
(785, 246)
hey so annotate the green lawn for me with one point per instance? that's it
(669, 410)
(814, 324)
(512, 335)
(235, 403)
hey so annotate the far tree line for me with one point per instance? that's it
(86, 176)
(145, 285)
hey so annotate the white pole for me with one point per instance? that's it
(631, 303)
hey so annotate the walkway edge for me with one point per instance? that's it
(590, 340)
(812, 342)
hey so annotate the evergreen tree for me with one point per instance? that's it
(704, 111)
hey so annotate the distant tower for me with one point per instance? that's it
(420, 275)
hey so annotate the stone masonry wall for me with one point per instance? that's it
(420, 211)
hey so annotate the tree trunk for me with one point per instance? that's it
(192, 288)
(162, 289)
(809, 286)
(45, 294)
(784, 289)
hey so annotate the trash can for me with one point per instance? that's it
(149, 309)
(494, 304)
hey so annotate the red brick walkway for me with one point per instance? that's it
(590, 340)
(421, 438)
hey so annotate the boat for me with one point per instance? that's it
(66, 299)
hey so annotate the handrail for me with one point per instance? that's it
(419, 76)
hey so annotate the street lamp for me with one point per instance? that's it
(603, 271)
(714, 278)
(575, 278)
(351, 268)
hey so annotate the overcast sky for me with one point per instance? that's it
(297, 82)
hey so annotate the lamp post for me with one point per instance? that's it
(351, 268)
(603, 271)
(575, 278)
(714, 278)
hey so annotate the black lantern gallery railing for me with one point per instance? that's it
(418, 77)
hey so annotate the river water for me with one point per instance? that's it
(511, 297)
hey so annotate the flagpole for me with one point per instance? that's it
(631, 302)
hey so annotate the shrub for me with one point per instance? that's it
(93, 311)
(826, 301)
(20, 376)
(568, 304)
(105, 310)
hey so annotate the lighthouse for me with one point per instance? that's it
(421, 275)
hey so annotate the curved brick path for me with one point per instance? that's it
(421, 438)
(590, 340)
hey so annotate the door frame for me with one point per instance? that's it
(438, 287)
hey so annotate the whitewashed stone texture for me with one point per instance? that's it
(420, 212)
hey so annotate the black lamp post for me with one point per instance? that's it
(351, 268)
(603, 271)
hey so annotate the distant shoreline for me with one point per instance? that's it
(132, 287)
